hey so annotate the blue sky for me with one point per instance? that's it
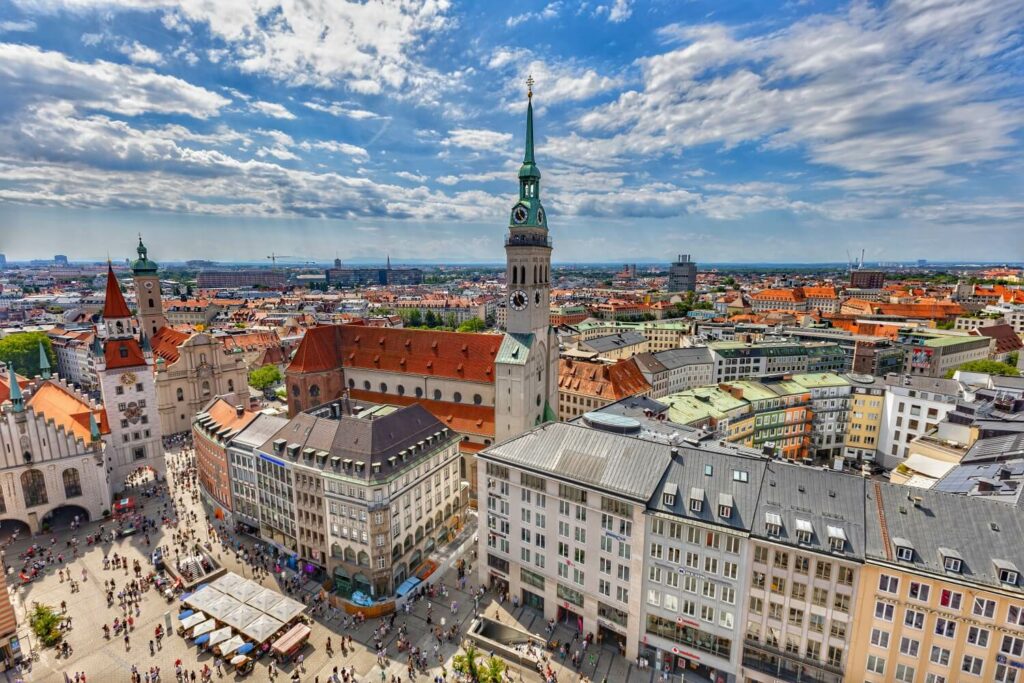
(738, 132)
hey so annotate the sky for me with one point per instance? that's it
(794, 131)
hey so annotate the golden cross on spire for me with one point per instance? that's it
(529, 86)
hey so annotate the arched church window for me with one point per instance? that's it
(231, 385)
(437, 394)
(151, 303)
(383, 387)
(515, 275)
(477, 399)
(401, 390)
(72, 483)
(206, 389)
(180, 394)
(522, 274)
(314, 390)
(457, 397)
(535, 274)
(120, 327)
(419, 392)
(295, 390)
(351, 384)
(366, 385)
(33, 487)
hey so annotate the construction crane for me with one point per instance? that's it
(273, 257)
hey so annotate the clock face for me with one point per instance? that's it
(519, 300)
(128, 379)
(520, 214)
(149, 286)
(540, 216)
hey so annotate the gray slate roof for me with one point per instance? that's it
(979, 530)
(614, 342)
(688, 473)
(995, 449)
(822, 497)
(618, 464)
(362, 439)
(259, 430)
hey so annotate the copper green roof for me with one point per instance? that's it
(143, 264)
(817, 380)
(701, 403)
(514, 349)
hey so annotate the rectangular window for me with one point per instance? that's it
(972, 665)
(984, 608)
(880, 638)
(909, 646)
(888, 584)
(905, 673)
(919, 591)
(977, 636)
(883, 611)
(876, 664)
(913, 619)
(939, 655)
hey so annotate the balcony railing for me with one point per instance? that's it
(529, 240)
(785, 666)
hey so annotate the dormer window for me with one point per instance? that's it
(836, 539)
(724, 505)
(804, 531)
(951, 560)
(1007, 572)
(696, 500)
(773, 524)
(668, 496)
(904, 550)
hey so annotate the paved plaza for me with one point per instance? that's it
(104, 660)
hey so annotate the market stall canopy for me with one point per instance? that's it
(204, 627)
(193, 620)
(242, 615)
(222, 606)
(265, 599)
(230, 645)
(261, 628)
(228, 583)
(220, 635)
(202, 598)
(286, 610)
(298, 634)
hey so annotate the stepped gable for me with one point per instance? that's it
(67, 409)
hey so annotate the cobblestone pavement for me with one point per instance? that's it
(109, 661)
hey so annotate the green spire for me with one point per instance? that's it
(16, 397)
(94, 429)
(143, 264)
(529, 167)
(44, 362)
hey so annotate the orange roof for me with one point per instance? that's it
(779, 295)
(225, 415)
(610, 382)
(820, 292)
(459, 355)
(461, 417)
(67, 409)
(123, 353)
(166, 341)
(260, 340)
(114, 305)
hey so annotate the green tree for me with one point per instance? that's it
(450, 320)
(45, 624)
(1013, 358)
(265, 377)
(431, 319)
(22, 350)
(989, 367)
(478, 668)
(473, 325)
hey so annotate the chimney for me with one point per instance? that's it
(239, 410)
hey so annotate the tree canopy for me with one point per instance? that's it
(22, 350)
(473, 325)
(989, 367)
(264, 377)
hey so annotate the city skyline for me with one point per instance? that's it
(741, 135)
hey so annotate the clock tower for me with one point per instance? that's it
(147, 293)
(526, 382)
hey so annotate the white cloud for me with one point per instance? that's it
(22, 26)
(617, 12)
(478, 139)
(554, 81)
(34, 75)
(354, 151)
(894, 97)
(550, 11)
(341, 109)
(367, 46)
(414, 177)
(273, 109)
(140, 54)
(173, 21)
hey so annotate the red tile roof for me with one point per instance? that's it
(462, 417)
(458, 355)
(166, 341)
(1006, 339)
(67, 409)
(608, 382)
(794, 295)
(114, 305)
(123, 353)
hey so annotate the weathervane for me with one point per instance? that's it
(529, 86)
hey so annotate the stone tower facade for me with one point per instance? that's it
(147, 292)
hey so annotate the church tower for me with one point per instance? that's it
(124, 367)
(147, 293)
(526, 381)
